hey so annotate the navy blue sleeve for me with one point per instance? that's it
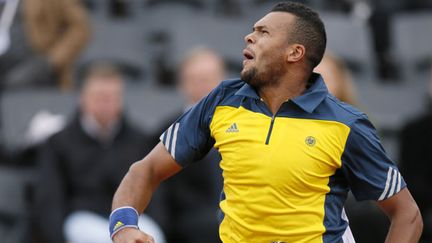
(371, 174)
(188, 139)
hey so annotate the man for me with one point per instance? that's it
(193, 195)
(83, 164)
(290, 151)
(200, 72)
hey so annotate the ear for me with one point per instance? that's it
(295, 53)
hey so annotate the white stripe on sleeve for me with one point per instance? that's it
(387, 184)
(168, 140)
(394, 182)
(399, 183)
(173, 146)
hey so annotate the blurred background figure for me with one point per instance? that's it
(199, 73)
(82, 165)
(193, 194)
(338, 78)
(39, 43)
(416, 162)
(40, 40)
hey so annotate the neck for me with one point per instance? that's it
(289, 86)
(101, 131)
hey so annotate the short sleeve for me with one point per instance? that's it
(371, 174)
(188, 139)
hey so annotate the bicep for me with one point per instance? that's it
(399, 203)
(160, 163)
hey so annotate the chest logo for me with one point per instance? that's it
(232, 128)
(310, 141)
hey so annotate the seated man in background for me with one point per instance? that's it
(82, 165)
(193, 194)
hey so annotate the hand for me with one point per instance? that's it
(132, 235)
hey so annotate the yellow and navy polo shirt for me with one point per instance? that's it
(287, 175)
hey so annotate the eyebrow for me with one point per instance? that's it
(259, 27)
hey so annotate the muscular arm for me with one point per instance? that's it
(406, 222)
(139, 183)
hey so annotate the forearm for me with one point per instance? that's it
(136, 187)
(406, 221)
(405, 228)
(143, 178)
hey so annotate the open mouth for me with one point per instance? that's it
(248, 54)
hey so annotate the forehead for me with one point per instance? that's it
(98, 84)
(276, 20)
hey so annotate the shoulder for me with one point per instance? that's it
(223, 92)
(343, 112)
(232, 83)
(230, 86)
(70, 130)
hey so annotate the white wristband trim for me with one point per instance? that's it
(115, 210)
(123, 227)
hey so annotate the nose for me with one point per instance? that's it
(248, 38)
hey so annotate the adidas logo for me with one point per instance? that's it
(118, 225)
(232, 128)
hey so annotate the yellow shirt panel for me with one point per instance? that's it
(275, 191)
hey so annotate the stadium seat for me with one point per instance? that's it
(19, 107)
(224, 35)
(121, 41)
(15, 198)
(350, 38)
(412, 42)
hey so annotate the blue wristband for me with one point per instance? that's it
(124, 217)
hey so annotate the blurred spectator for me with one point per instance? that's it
(83, 164)
(416, 164)
(200, 72)
(337, 78)
(193, 194)
(40, 40)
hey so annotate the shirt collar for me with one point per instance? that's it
(308, 101)
(314, 95)
(247, 91)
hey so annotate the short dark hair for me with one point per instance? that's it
(308, 30)
(103, 70)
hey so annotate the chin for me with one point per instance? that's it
(249, 76)
(243, 74)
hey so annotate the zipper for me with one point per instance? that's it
(270, 130)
